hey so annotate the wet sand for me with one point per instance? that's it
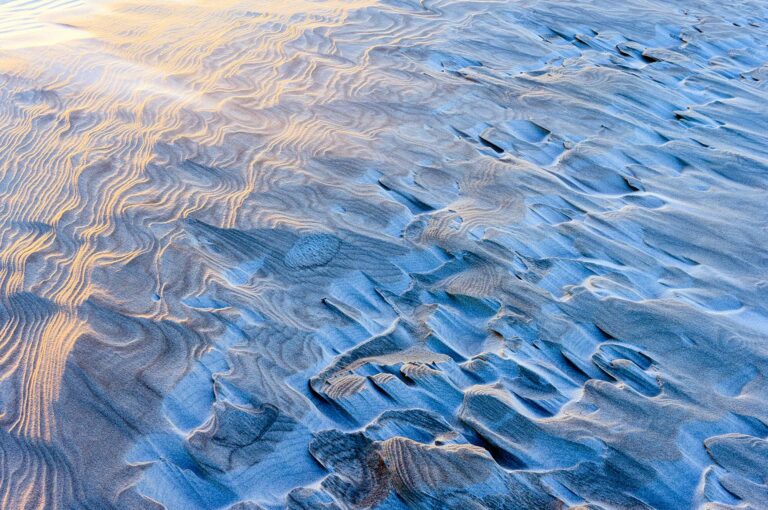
(396, 254)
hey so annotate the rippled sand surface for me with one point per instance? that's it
(383, 254)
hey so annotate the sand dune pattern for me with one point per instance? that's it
(383, 254)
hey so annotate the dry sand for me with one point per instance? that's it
(383, 254)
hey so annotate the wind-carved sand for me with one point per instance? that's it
(396, 254)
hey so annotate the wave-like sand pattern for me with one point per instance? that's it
(394, 254)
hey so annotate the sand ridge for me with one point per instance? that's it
(394, 254)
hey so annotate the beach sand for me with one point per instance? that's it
(387, 254)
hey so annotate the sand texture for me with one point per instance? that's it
(390, 254)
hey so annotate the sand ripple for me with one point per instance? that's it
(394, 254)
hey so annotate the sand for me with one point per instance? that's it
(383, 254)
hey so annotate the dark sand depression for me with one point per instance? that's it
(393, 254)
